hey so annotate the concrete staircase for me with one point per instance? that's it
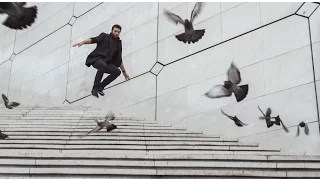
(46, 142)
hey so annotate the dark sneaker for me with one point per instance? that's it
(100, 91)
(94, 93)
(112, 127)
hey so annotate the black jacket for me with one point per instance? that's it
(105, 50)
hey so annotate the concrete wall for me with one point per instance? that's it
(275, 45)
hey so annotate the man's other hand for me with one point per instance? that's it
(126, 76)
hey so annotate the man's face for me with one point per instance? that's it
(116, 32)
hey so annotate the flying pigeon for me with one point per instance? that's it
(3, 136)
(306, 128)
(230, 86)
(190, 35)
(104, 124)
(268, 118)
(278, 121)
(235, 119)
(9, 104)
(19, 17)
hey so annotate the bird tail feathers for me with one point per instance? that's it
(197, 35)
(241, 92)
(182, 37)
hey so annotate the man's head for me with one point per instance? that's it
(116, 30)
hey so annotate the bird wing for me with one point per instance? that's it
(14, 104)
(268, 113)
(174, 18)
(284, 127)
(5, 5)
(226, 114)
(218, 91)
(264, 118)
(234, 74)
(306, 129)
(20, 3)
(261, 111)
(109, 117)
(197, 35)
(96, 129)
(5, 98)
(1, 10)
(196, 11)
(298, 131)
(12, 9)
(239, 122)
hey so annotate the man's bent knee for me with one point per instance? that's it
(117, 72)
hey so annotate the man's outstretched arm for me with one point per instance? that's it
(90, 40)
(87, 41)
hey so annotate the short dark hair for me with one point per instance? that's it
(116, 26)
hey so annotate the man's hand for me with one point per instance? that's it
(126, 76)
(79, 44)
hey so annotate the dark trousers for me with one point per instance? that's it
(102, 68)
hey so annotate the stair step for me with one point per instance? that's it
(133, 147)
(118, 138)
(113, 133)
(124, 142)
(77, 118)
(48, 129)
(93, 163)
(56, 154)
(10, 118)
(130, 151)
(162, 172)
(31, 114)
(80, 124)
(12, 121)
(49, 142)
(87, 128)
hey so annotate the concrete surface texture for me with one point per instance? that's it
(48, 141)
(276, 46)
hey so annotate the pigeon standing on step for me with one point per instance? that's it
(235, 119)
(305, 126)
(190, 35)
(104, 124)
(230, 86)
(3, 136)
(9, 104)
(19, 17)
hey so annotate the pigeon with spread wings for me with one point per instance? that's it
(305, 126)
(9, 104)
(19, 17)
(190, 35)
(230, 86)
(268, 118)
(235, 119)
(104, 124)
